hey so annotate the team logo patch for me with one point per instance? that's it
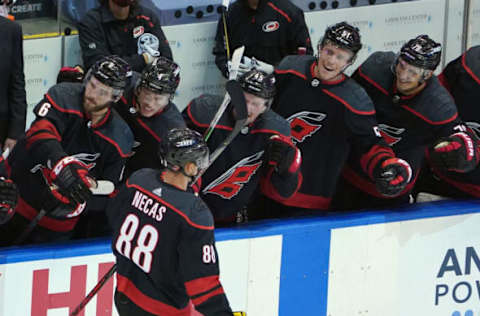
(390, 134)
(304, 124)
(137, 31)
(232, 181)
(270, 26)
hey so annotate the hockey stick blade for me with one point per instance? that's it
(236, 60)
(104, 187)
(237, 97)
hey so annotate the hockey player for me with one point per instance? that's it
(148, 109)
(462, 78)
(124, 28)
(75, 139)
(330, 114)
(414, 112)
(261, 156)
(269, 30)
(167, 263)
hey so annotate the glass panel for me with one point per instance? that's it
(37, 17)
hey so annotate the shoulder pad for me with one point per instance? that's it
(377, 68)
(472, 60)
(173, 117)
(200, 214)
(271, 121)
(354, 97)
(296, 65)
(67, 96)
(119, 132)
(203, 108)
(436, 104)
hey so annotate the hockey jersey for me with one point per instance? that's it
(148, 131)
(326, 120)
(230, 182)
(409, 124)
(165, 248)
(61, 129)
(462, 78)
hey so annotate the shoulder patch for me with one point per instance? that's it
(354, 97)
(203, 108)
(297, 65)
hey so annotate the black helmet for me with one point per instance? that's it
(163, 76)
(112, 71)
(183, 146)
(344, 36)
(258, 83)
(422, 52)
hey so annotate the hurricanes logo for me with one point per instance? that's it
(390, 134)
(304, 124)
(270, 26)
(232, 181)
(475, 127)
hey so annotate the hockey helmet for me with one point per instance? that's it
(344, 36)
(124, 3)
(163, 76)
(258, 83)
(112, 71)
(182, 146)
(422, 52)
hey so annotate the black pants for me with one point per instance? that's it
(125, 307)
(428, 182)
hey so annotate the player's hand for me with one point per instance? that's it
(69, 74)
(263, 66)
(391, 176)
(457, 152)
(8, 199)
(149, 59)
(71, 177)
(283, 155)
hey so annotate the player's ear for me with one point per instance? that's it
(190, 169)
(427, 74)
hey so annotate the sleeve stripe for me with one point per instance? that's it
(149, 130)
(291, 71)
(468, 70)
(194, 121)
(114, 143)
(430, 121)
(336, 97)
(42, 130)
(280, 11)
(201, 285)
(370, 158)
(50, 100)
(203, 298)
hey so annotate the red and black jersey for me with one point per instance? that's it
(274, 30)
(231, 182)
(165, 248)
(148, 132)
(462, 78)
(61, 129)
(409, 124)
(326, 120)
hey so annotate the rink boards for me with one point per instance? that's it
(423, 260)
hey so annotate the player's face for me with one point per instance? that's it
(150, 103)
(97, 97)
(332, 61)
(255, 106)
(408, 77)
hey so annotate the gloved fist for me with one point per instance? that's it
(8, 199)
(149, 59)
(70, 175)
(69, 74)
(391, 176)
(457, 152)
(283, 155)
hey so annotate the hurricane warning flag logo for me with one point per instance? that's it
(390, 134)
(304, 124)
(232, 181)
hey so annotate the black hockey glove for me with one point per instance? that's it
(457, 152)
(283, 155)
(69, 74)
(391, 176)
(8, 199)
(70, 175)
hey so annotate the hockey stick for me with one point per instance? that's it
(241, 116)
(225, 4)
(104, 187)
(236, 59)
(94, 291)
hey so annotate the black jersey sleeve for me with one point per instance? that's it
(163, 46)
(199, 267)
(299, 34)
(449, 76)
(219, 50)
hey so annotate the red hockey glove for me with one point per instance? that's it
(391, 176)
(457, 152)
(8, 199)
(71, 177)
(283, 155)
